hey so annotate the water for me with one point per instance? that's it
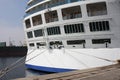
(30, 72)
(17, 72)
(20, 71)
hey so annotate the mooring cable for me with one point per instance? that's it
(17, 61)
(94, 56)
(7, 69)
(76, 59)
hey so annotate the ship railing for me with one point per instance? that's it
(59, 3)
(96, 13)
(52, 20)
(33, 3)
(72, 16)
(34, 11)
(50, 6)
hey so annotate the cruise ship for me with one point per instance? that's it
(66, 35)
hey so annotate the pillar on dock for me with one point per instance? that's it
(118, 61)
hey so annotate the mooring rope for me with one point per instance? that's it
(94, 56)
(16, 61)
(76, 59)
(13, 66)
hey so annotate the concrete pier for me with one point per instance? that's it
(111, 72)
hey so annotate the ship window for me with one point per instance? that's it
(74, 28)
(37, 20)
(40, 44)
(75, 42)
(56, 42)
(27, 23)
(74, 0)
(29, 34)
(54, 3)
(99, 26)
(101, 41)
(96, 9)
(31, 45)
(71, 12)
(51, 16)
(53, 30)
(38, 32)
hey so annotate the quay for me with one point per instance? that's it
(111, 72)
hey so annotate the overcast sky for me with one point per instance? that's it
(11, 16)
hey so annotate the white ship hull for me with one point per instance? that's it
(87, 31)
(62, 60)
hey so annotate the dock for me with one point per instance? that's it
(111, 72)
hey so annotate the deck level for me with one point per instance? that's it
(111, 72)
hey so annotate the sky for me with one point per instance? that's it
(11, 21)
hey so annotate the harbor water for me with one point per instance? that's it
(16, 71)
(20, 70)
(30, 72)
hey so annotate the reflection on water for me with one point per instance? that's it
(31, 72)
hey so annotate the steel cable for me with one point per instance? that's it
(94, 56)
(11, 67)
(77, 59)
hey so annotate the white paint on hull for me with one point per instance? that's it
(74, 58)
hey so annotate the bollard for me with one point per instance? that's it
(118, 61)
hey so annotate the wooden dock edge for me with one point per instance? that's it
(111, 72)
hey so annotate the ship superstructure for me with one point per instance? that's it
(62, 27)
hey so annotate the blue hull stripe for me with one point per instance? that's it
(48, 69)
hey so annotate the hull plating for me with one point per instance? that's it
(62, 60)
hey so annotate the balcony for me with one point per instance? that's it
(34, 10)
(33, 3)
(52, 5)
(49, 4)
